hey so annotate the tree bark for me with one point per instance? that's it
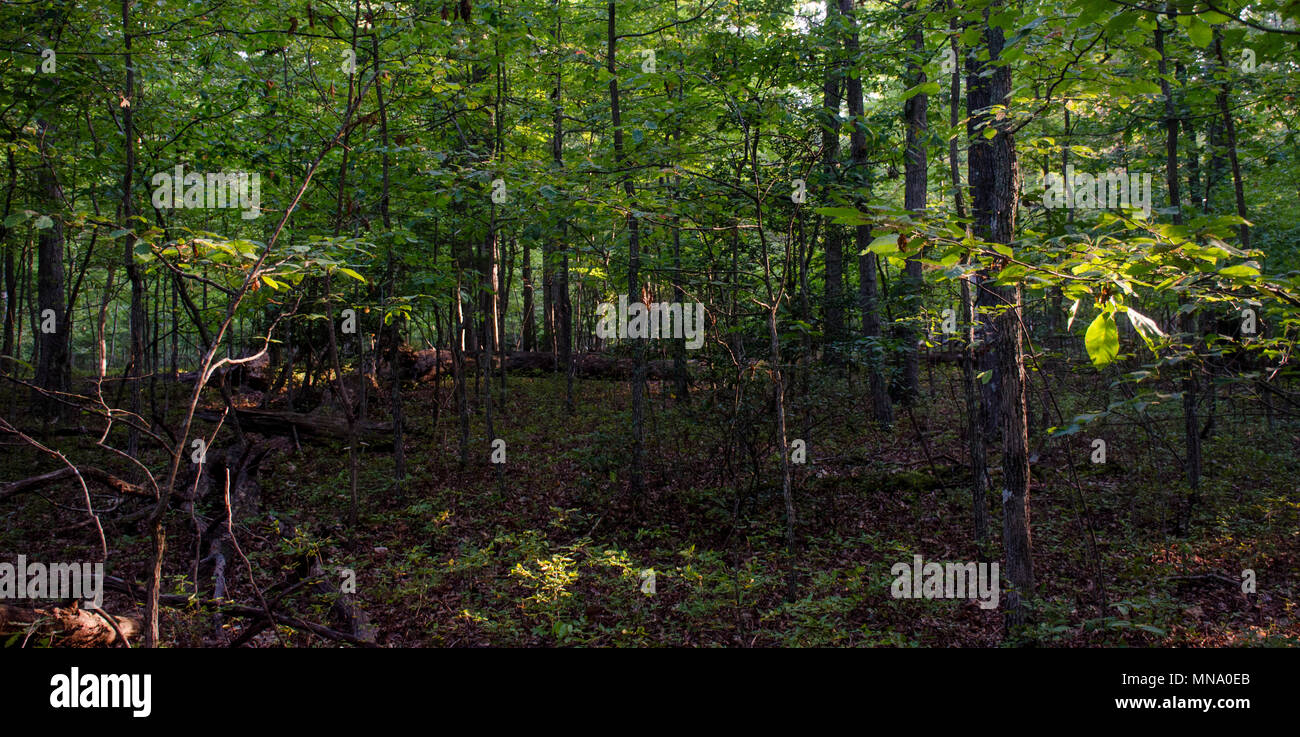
(53, 373)
(633, 262)
(915, 176)
(833, 305)
(69, 626)
(1230, 130)
(869, 292)
(10, 274)
(994, 181)
(134, 275)
(395, 396)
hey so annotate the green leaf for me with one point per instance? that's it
(925, 88)
(1239, 271)
(44, 222)
(353, 274)
(1102, 340)
(1200, 32)
(844, 215)
(884, 244)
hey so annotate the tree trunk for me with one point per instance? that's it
(1016, 540)
(69, 626)
(560, 305)
(633, 262)
(10, 275)
(833, 306)
(1230, 130)
(528, 332)
(994, 181)
(53, 373)
(1172, 184)
(133, 272)
(916, 172)
(1171, 129)
(869, 292)
(390, 290)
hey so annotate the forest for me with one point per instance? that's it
(702, 323)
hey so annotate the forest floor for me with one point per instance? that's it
(549, 547)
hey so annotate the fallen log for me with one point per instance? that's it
(420, 365)
(255, 374)
(275, 422)
(181, 601)
(90, 473)
(69, 626)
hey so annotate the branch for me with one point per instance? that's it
(124, 488)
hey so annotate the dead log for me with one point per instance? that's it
(255, 375)
(181, 601)
(90, 473)
(275, 422)
(69, 626)
(420, 365)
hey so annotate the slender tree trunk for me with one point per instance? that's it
(869, 299)
(549, 338)
(679, 295)
(633, 262)
(52, 370)
(1193, 156)
(1191, 427)
(528, 331)
(975, 421)
(395, 397)
(1171, 129)
(10, 274)
(560, 304)
(1172, 184)
(975, 439)
(787, 490)
(457, 314)
(133, 273)
(833, 305)
(1213, 164)
(916, 173)
(1230, 130)
(349, 414)
(990, 224)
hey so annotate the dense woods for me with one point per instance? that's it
(704, 322)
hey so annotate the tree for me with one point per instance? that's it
(994, 182)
